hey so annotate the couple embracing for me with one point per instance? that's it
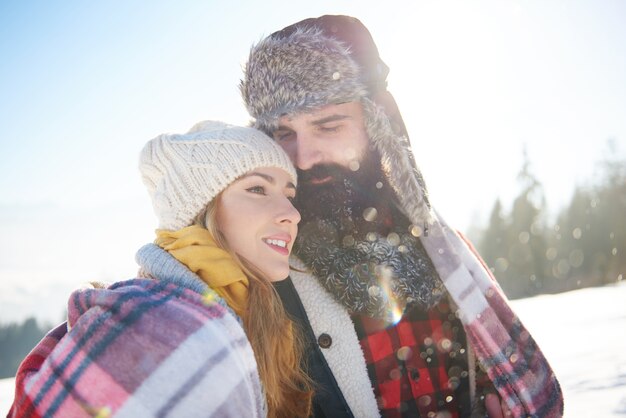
(299, 270)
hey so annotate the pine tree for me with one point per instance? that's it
(493, 238)
(16, 341)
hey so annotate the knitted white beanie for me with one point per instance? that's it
(183, 173)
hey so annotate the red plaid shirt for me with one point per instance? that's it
(419, 366)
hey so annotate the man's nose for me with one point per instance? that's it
(307, 153)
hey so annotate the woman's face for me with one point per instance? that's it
(256, 217)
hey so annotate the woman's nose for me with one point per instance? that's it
(288, 212)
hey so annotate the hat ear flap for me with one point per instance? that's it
(398, 164)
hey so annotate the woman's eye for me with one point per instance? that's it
(256, 189)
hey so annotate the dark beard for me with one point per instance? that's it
(343, 201)
(344, 240)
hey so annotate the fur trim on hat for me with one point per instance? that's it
(398, 165)
(300, 72)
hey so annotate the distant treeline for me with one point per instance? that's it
(583, 246)
(16, 341)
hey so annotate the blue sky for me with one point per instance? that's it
(83, 85)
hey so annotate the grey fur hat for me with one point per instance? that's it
(302, 72)
(331, 60)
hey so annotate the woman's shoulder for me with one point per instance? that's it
(132, 346)
(159, 264)
(141, 299)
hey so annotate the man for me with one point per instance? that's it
(404, 318)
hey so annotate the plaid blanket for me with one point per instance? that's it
(496, 338)
(141, 348)
(502, 345)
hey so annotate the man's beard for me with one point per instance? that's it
(346, 196)
(358, 243)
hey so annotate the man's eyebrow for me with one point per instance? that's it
(327, 119)
(282, 128)
(331, 118)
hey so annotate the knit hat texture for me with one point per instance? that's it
(183, 173)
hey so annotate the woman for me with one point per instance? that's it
(170, 343)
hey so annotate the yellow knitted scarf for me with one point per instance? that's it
(195, 248)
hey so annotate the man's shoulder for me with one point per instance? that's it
(136, 339)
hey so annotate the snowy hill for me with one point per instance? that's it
(583, 335)
(6, 395)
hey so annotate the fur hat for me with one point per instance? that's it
(298, 73)
(183, 173)
(331, 60)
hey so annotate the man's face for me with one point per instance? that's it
(337, 171)
(332, 134)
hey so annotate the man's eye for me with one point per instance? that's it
(282, 135)
(330, 128)
(256, 189)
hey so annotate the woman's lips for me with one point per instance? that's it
(279, 244)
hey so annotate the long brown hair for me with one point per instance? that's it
(277, 342)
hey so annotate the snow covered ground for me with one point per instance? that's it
(6, 395)
(582, 333)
